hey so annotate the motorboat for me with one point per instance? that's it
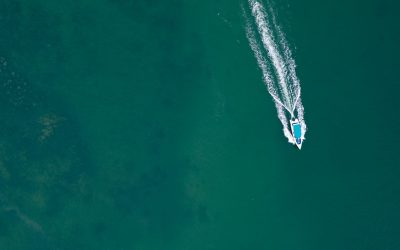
(295, 125)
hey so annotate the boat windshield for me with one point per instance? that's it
(297, 130)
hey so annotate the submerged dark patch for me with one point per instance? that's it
(42, 158)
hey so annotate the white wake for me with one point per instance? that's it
(277, 65)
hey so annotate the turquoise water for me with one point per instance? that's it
(146, 125)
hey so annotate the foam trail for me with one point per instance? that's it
(291, 65)
(286, 91)
(284, 121)
(263, 65)
(270, 46)
(268, 80)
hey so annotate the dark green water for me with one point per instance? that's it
(145, 125)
